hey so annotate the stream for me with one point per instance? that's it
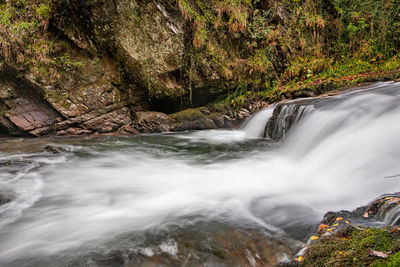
(249, 197)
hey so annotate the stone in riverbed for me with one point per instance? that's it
(54, 149)
(5, 197)
(4, 200)
(199, 244)
(74, 131)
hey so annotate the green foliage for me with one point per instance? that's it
(66, 63)
(22, 23)
(43, 10)
(5, 15)
(369, 23)
(263, 48)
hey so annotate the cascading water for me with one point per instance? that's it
(255, 126)
(134, 193)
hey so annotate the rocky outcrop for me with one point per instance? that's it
(68, 106)
(148, 38)
(363, 237)
(111, 62)
(153, 122)
(22, 110)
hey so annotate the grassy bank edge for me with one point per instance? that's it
(342, 75)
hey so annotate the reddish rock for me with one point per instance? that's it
(28, 113)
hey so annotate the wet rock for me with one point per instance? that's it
(148, 122)
(109, 122)
(127, 130)
(54, 149)
(285, 115)
(22, 109)
(219, 120)
(210, 244)
(28, 114)
(192, 119)
(5, 163)
(338, 233)
(5, 197)
(74, 131)
(302, 93)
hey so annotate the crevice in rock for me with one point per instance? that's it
(172, 79)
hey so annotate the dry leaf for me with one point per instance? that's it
(378, 254)
(366, 215)
(314, 237)
(339, 218)
(300, 258)
(322, 226)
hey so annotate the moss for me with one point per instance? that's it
(352, 246)
(188, 114)
(392, 261)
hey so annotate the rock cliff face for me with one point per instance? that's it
(116, 60)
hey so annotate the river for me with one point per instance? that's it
(186, 198)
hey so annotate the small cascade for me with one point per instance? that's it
(274, 122)
(389, 212)
(284, 117)
(255, 126)
(392, 217)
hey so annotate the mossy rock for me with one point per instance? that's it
(355, 246)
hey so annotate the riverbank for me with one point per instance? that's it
(233, 111)
(367, 236)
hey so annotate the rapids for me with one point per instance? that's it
(99, 191)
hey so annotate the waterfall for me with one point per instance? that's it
(255, 125)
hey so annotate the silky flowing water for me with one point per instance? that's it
(140, 195)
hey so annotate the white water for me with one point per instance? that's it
(336, 157)
(256, 125)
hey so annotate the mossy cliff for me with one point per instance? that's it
(81, 67)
